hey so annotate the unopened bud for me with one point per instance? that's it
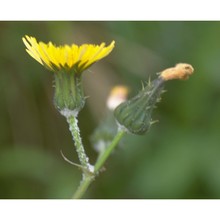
(106, 130)
(117, 95)
(134, 115)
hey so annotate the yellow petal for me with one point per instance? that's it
(66, 57)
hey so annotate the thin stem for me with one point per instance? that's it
(74, 129)
(83, 187)
(87, 179)
(103, 157)
(87, 175)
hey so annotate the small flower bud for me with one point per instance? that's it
(134, 115)
(117, 95)
(107, 129)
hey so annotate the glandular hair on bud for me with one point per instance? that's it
(134, 115)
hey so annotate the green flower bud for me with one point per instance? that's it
(104, 133)
(107, 129)
(134, 115)
(68, 97)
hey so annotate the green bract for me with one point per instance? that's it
(134, 115)
(68, 96)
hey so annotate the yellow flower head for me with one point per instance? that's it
(55, 58)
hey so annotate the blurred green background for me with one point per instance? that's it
(178, 158)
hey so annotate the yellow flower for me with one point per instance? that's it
(55, 58)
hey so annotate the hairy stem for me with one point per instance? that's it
(85, 183)
(74, 129)
(89, 171)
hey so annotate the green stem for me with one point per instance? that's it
(87, 169)
(88, 178)
(101, 160)
(74, 129)
(83, 187)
